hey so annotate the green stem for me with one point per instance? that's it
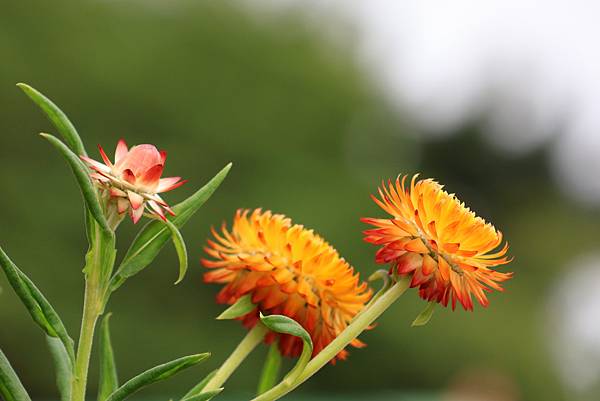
(270, 372)
(99, 265)
(92, 308)
(244, 348)
(360, 323)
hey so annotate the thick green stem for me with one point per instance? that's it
(91, 311)
(360, 323)
(99, 265)
(244, 348)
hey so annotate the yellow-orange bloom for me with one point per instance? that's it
(288, 270)
(448, 250)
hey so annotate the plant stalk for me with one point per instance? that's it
(244, 348)
(270, 372)
(361, 323)
(99, 265)
(92, 309)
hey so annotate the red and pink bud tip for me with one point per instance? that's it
(133, 180)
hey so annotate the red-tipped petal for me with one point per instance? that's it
(122, 205)
(168, 209)
(116, 192)
(121, 150)
(136, 215)
(104, 156)
(152, 176)
(95, 164)
(169, 183)
(99, 177)
(163, 156)
(135, 199)
(128, 176)
(157, 209)
(156, 198)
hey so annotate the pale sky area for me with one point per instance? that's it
(533, 67)
(572, 313)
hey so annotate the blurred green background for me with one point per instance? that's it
(309, 136)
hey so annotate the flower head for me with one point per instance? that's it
(288, 270)
(443, 245)
(133, 181)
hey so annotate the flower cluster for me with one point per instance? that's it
(134, 180)
(288, 270)
(432, 237)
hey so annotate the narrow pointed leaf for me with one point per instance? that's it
(158, 373)
(58, 118)
(62, 366)
(242, 307)
(154, 235)
(285, 325)
(179, 244)
(11, 388)
(425, 316)
(197, 389)
(83, 179)
(38, 306)
(108, 381)
(204, 396)
(270, 373)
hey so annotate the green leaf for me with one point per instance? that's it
(270, 372)
(63, 367)
(197, 389)
(158, 373)
(108, 381)
(179, 244)
(57, 117)
(285, 325)
(204, 396)
(240, 308)
(154, 235)
(425, 316)
(83, 179)
(38, 306)
(11, 388)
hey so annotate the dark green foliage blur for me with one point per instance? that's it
(309, 136)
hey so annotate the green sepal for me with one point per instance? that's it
(285, 325)
(180, 248)
(63, 367)
(154, 235)
(157, 373)
(108, 380)
(204, 396)
(425, 316)
(82, 174)
(197, 389)
(58, 118)
(270, 372)
(38, 306)
(11, 388)
(240, 308)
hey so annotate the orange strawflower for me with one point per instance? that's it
(447, 249)
(289, 270)
(134, 181)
